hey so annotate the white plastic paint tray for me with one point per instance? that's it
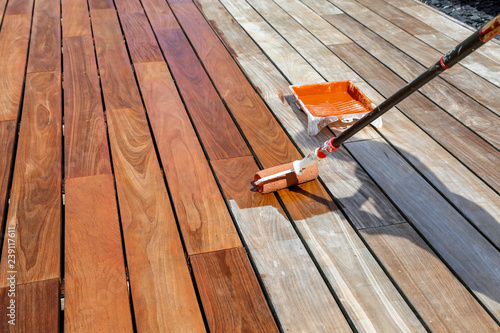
(339, 103)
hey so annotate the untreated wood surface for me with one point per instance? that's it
(131, 131)
(230, 293)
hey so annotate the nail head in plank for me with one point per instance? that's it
(152, 242)
(86, 146)
(299, 295)
(45, 46)
(215, 127)
(36, 307)
(14, 38)
(230, 293)
(118, 82)
(35, 205)
(441, 300)
(205, 222)
(95, 280)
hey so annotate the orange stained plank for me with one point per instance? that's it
(75, 15)
(86, 147)
(36, 307)
(35, 204)
(230, 293)
(45, 46)
(7, 136)
(2, 7)
(203, 216)
(19, 7)
(161, 287)
(96, 297)
(14, 37)
(246, 106)
(217, 130)
(117, 79)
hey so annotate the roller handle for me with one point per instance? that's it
(462, 50)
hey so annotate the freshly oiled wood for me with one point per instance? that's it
(230, 293)
(215, 127)
(8, 131)
(299, 296)
(246, 106)
(203, 216)
(86, 148)
(441, 300)
(153, 247)
(118, 83)
(159, 14)
(19, 7)
(141, 41)
(35, 203)
(460, 106)
(476, 200)
(75, 18)
(36, 307)
(479, 89)
(14, 37)
(292, 64)
(339, 172)
(95, 284)
(45, 46)
(466, 146)
(445, 228)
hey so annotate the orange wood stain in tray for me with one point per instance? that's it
(332, 99)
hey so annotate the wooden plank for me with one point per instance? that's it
(86, 147)
(19, 7)
(118, 82)
(220, 136)
(94, 265)
(441, 300)
(476, 117)
(45, 46)
(246, 106)
(299, 295)
(8, 130)
(153, 246)
(230, 292)
(75, 15)
(14, 37)
(160, 15)
(100, 4)
(3, 7)
(436, 219)
(36, 307)
(203, 216)
(35, 204)
(466, 146)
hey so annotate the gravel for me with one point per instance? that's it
(472, 12)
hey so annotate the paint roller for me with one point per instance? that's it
(301, 171)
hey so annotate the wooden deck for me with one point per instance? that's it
(127, 157)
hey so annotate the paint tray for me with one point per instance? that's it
(338, 103)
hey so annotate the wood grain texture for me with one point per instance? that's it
(8, 131)
(299, 296)
(441, 300)
(160, 15)
(203, 216)
(75, 15)
(465, 145)
(153, 246)
(35, 205)
(37, 307)
(445, 228)
(118, 82)
(246, 106)
(14, 37)
(19, 7)
(45, 45)
(214, 125)
(101, 4)
(230, 293)
(86, 148)
(95, 279)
